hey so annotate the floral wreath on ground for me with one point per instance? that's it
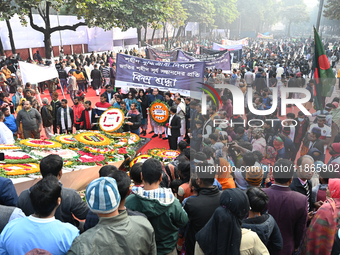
(19, 159)
(140, 158)
(65, 139)
(159, 102)
(132, 138)
(153, 152)
(19, 169)
(40, 143)
(167, 154)
(92, 138)
(66, 154)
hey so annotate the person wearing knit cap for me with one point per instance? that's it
(115, 231)
(334, 150)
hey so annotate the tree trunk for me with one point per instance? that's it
(164, 32)
(2, 52)
(48, 45)
(290, 23)
(179, 32)
(139, 35)
(146, 31)
(153, 35)
(10, 35)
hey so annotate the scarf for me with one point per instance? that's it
(69, 122)
(320, 234)
(134, 112)
(278, 143)
(222, 234)
(270, 156)
(87, 118)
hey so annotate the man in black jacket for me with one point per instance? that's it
(209, 196)
(109, 93)
(56, 104)
(174, 128)
(301, 182)
(300, 129)
(135, 119)
(97, 79)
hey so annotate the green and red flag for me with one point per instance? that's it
(323, 75)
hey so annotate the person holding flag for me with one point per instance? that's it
(323, 74)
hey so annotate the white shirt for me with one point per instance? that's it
(6, 135)
(279, 72)
(292, 133)
(169, 129)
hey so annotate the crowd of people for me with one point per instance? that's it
(180, 207)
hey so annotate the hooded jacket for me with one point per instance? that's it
(266, 228)
(164, 212)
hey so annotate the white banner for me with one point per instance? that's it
(34, 74)
(243, 41)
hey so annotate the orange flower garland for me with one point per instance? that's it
(111, 120)
(20, 169)
(159, 112)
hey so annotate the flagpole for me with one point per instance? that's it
(319, 15)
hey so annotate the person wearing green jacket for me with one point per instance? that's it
(160, 206)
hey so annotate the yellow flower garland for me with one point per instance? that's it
(9, 147)
(101, 151)
(140, 158)
(111, 120)
(89, 139)
(170, 154)
(40, 143)
(24, 169)
(66, 139)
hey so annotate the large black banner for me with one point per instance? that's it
(235, 55)
(158, 55)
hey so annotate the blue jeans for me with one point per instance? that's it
(136, 131)
(81, 86)
(63, 83)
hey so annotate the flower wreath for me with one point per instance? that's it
(64, 153)
(19, 158)
(111, 120)
(160, 106)
(106, 150)
(139, 159)
(91, 138)
(20, 169)
(133, 138)
(40, 143)
(121, 143)
(89, 157)
(168, 154)
(65, 139)
(153, 152)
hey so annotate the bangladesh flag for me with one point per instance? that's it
(323, 75)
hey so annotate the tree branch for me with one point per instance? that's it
(67, 27)
(34, 26)
(41, 14)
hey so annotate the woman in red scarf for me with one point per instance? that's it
(320, 234)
